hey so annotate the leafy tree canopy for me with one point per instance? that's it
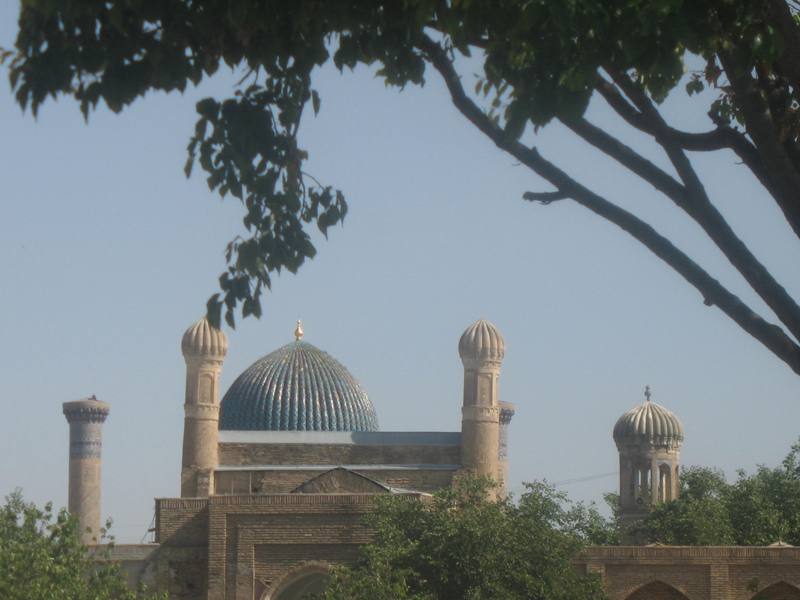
(542, 60)
(462, 545)
(755, 510)
(41, 556)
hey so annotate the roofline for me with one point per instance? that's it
(359, 438)
(330, 467)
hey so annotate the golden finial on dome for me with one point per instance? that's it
(298, 331)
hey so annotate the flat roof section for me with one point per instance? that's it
(330, 467)
(362, 438)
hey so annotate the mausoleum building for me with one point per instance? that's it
(278, 473)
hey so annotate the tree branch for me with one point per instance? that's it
(770, 335)
(716, 139)
(722, 137)
(544, 197)
(696, 203)
(626, 156)
(777, 163)
(789, 60)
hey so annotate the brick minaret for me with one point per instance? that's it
(85, 418)
(204, 348)
(481, 348)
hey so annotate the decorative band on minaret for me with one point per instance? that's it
(481, 349)
(204, 348)
(85, 418)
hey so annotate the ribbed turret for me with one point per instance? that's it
(298, 387)
(201, 339)
(649, 423)
(481, 342)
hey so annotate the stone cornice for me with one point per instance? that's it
(88, 411)
(482, 365)
(208, 412)
(489, 414)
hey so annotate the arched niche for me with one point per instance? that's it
(300, 583)
(778, 591)
(657, 590)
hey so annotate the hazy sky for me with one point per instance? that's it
(107, 254)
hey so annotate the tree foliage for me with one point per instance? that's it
(459, 544)
(542, 61)
(41, 556)
(756, 510)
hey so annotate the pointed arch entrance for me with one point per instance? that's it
(303, 582)
(778, 591)
(657, 590)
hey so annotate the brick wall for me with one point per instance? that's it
(622, 580)
(271, 481)
(696, 573)
(272, 562)
(245, 531)
(182, 521)
(336, 454)
(657, 591)
(238, 547)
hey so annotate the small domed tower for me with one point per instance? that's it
(482, 349)
(204, 348)
(649, 439)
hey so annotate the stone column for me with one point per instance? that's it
(481, 349)
(204, 349)
(655, 474)
(85, 418)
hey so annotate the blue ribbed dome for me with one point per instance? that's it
(297, 388)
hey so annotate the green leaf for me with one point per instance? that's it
(207, 108)
(315, 101)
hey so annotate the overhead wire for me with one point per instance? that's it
(582, 479)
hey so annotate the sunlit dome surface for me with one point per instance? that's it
(298, 387)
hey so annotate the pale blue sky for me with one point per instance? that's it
(107, 253)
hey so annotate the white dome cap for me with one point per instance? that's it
(201, 339)
(481, 342)
(649, 423)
